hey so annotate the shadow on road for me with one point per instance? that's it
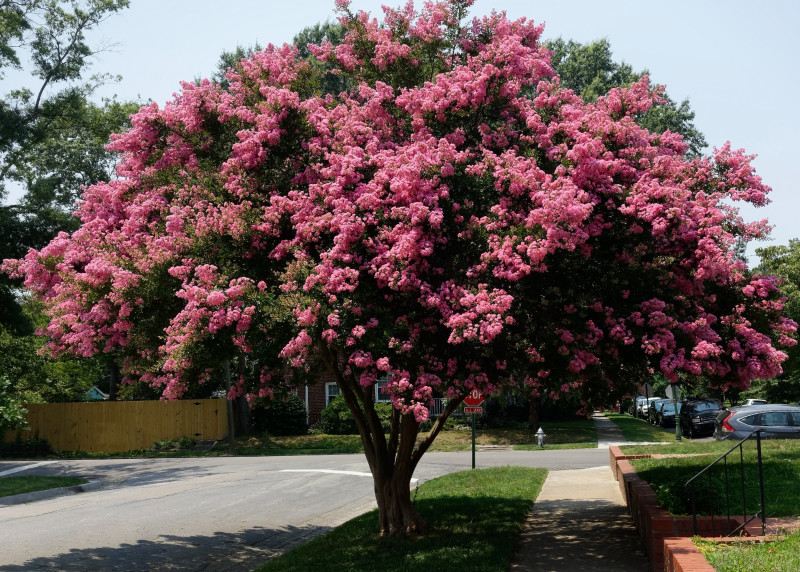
(222, 551)
(130, 473)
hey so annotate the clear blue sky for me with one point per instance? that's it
(735, 61)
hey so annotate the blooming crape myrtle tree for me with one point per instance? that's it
(455, 221)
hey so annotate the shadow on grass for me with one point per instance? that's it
(458, 540)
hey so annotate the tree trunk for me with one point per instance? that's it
(534, 421)
(393, 461)
(242, 415)
(113, 379)
(396, 512)
(241, 406)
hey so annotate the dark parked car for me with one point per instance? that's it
(776, 422)
(697, 416)
(666, 415)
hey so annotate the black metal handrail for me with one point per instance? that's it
(691, 484)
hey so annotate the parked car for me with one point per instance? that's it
(666, 415)
(697, 416)
(653, 410)
(749, 402)
(637, 406)
(645, 407)
(776, 422)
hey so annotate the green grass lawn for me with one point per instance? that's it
(19, 485)
(635, 429)
(475, 517)
(571, 434)
(781, 469)
(783, 555)
(682, 447)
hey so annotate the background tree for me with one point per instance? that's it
(52, 144)
(52, 136)
(784, 261)
(590, 71)
(434, 224)
(325, 80)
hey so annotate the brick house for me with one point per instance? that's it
(317, 396)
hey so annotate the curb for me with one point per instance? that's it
(50, 493)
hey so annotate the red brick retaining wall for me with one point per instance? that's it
(658, 528)
(681, 555)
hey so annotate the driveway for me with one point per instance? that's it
(211, 513)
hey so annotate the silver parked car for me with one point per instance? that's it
(644, 408)
(775, 421)
(749, 402)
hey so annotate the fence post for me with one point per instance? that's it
(761, 485)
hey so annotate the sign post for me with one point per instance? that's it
(473, 401)
(674, 393)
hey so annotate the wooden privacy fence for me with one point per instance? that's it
(114, 426)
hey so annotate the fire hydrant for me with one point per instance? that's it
(540, 437)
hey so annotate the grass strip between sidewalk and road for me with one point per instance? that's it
(782, 555)
(28, 484)
(635, 429)
(475, 517)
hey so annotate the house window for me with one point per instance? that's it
(380, 384)
(331, 390)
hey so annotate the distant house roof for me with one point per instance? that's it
(96, 394)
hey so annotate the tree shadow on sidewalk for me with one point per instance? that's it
(578, 535)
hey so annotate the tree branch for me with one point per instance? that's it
(438, 425)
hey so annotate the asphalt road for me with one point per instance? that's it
(210, 513)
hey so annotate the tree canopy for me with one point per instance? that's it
(455, 221)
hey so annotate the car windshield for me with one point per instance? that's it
(704, 406)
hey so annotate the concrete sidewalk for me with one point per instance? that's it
(580, 522)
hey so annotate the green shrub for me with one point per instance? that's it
(498, 414)
(281, 417)
(182, 444)
(12, 414)
(35, 447)
(384, 411)
(337, 419)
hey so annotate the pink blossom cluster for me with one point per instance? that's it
(454, 221)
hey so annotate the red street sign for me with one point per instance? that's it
(473, 410)
(474, 398)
